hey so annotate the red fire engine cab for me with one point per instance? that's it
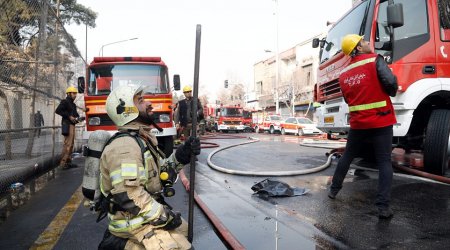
(225, 118)
(414, 38)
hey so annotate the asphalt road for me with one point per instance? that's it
(310, 221)
(421, 207)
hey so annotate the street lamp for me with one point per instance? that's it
(121, 41)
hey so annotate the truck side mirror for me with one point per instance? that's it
(176, 82)
(80, 84)
(315, 42)
(395, 15)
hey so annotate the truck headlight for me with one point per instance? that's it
(164, 118)
(94, 121)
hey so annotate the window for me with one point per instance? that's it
(259, 87)
(304, 121)
(410, 36)
(291, 120)
(350, 24)
(104, 78)
(444, 17)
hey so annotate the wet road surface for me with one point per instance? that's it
(310, 221)
(421, 208)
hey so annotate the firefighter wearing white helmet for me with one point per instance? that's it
(366, 84)
(130, 181)
(69, 117)
(185, 112)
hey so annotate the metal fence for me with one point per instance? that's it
(38, 61)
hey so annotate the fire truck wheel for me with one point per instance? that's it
(435, 147)
(283, 132)
(165, 143)
(271, 130)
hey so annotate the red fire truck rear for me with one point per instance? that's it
(414, 38)
(106, 73)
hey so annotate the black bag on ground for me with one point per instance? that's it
(274, 188)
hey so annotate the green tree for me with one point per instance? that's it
(20, 19)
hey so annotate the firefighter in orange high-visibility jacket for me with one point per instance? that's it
(130, 180)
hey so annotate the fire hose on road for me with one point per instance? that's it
(264, 173)
(335, 152)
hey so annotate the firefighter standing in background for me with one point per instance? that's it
(131, 178)
(69, 117)
(366, 84)
(185, 112)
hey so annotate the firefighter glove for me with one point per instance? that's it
(174, 219)
(184, 151)
(194, 144)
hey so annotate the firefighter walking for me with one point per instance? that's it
(366, 84)
(130, 179)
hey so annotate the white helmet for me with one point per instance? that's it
(120, 105)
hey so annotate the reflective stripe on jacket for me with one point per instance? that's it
(369, 105)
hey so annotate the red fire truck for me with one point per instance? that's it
(225, 118)
(106, 73)
(414, 38)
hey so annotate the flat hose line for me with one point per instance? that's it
(263, 173)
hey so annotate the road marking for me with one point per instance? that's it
(51, 235)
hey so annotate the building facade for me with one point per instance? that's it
(296, 79)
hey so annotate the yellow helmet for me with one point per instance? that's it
(187, 88)
(349, 43)
(120, 104)
(71, 89)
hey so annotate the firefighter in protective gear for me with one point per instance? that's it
(130, 178)
(366, 84)
(69, 117)
(185, 112)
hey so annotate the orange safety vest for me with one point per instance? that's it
(369, 105)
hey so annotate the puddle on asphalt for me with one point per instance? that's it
(19, 194)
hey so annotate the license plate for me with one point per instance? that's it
(232, 127)
(328, 119)
(155, 131)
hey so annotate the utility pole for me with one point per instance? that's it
(277, 62)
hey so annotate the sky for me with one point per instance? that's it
(234, 33)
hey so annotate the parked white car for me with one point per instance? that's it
(299, 126)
